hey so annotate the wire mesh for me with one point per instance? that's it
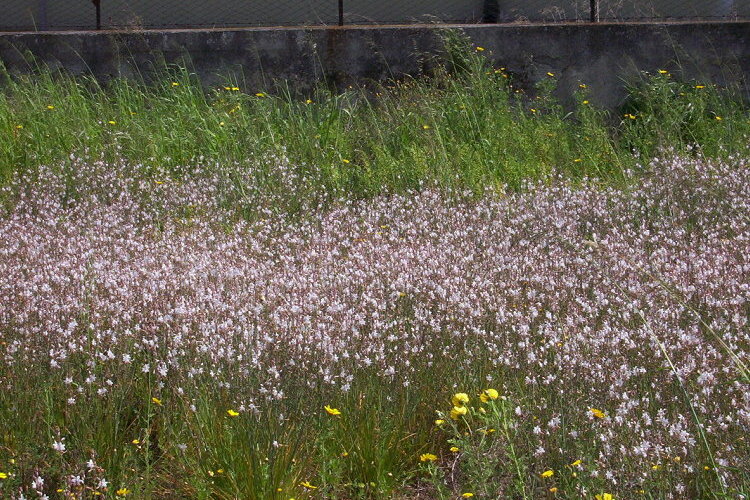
(23, 15)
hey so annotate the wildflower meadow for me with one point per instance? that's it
(426, 290)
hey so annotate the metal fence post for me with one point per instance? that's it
(98, 6)
(594, 11)
(341, 12)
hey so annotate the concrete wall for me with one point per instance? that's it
(604, 56)
(71, 14)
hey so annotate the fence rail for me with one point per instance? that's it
(40, 15)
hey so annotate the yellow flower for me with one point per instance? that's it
(597, 413)
(533, 110)
(480, 49)
(156, 401)
(122, 492)
(175, 84)
(582, 85)
(425, 127)
(585, 102)
(460, 398)
(488, 394)
(604, 496)
(454, 449)
(19, 126)
(112, 122)
(307, 485)
(548, 473)
(309, 101)
(700, 86)
(663, 71)
(458, 411)
(576, 463)
(332, 411)
(232, 413)
(3, 475)
(550, 74)
(427, 457)
(135, 441)
(467, 495)
(221, 124)
(718, 118)
(235, 89)
(628, 115)
(439, 421)
(260, 94)
(345, 160)
(577, 160)
(553, 489)
(50, 107)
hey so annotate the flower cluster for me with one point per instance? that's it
(615, 319)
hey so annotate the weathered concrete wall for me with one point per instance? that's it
(604, 56)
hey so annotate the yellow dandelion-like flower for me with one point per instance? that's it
(700, 86)
(233, 413)
(480, 49)
(175, 84)
(260, 94)
(582, 85)
(553, 489)
(597, 413)
(458, 411)
(50, 107)
(576, 463)
(718, 118)
(439, 421)
(122, 492)
(332, 411)
(425, 127)
(307, 485)
(427, 457)
(604, 496)
(460, 398)
(309, 101)
(454, 449)
(585, 102)
(156, 401)
(344, 160)
(19, 126)
(577, 160)
(663, 71)
(136, 441)
(548, 473)
(467, 495)
(3, 475)
(489, 394)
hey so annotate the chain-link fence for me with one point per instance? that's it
(22, 15)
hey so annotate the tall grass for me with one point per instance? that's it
(468, 126)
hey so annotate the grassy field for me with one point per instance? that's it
(441, 288)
